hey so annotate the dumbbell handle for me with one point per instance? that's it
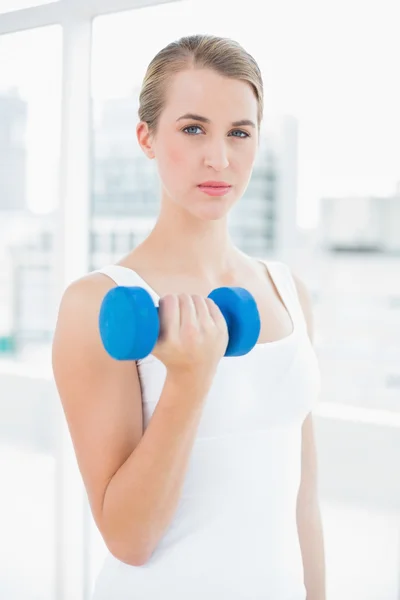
(226, 313)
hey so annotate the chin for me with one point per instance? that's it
(212, 216)
(212, 209)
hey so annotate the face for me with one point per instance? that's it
(217, 143)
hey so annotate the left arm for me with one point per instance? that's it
(309, 522)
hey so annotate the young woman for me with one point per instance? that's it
(200, 469)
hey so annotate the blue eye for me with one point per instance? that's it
(191, 127)
(240, 131)
(243, 134)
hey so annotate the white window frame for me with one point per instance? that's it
(72, 572)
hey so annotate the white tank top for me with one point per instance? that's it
(234, 533)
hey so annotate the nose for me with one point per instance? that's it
(216, 155)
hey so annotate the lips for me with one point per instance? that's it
(214, 184)
(214, 189)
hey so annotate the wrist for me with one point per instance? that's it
(192, 380)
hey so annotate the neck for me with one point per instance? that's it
(202, 248)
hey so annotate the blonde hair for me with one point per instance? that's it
(223, 55)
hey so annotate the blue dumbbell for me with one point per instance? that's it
(129, 323)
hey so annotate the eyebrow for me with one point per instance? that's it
(194, 117)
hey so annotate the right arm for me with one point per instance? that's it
(133, 479)
(142, 496)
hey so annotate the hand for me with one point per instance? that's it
(193, 334)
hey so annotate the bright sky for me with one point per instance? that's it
(333, 65)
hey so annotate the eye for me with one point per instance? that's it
(191, 127)
(242, 134)
(245, 134)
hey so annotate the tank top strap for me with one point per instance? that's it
(282, 277)
(129, 278)
(279, 272)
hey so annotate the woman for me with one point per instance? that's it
(200, 469)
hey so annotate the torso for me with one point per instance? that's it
(250, 274)
(247, 443)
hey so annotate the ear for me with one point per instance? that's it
(145, 139)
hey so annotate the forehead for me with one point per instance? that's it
(205, 92)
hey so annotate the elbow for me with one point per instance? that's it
(130, 556)
(130, 545)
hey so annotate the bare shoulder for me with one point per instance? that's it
(79, 310)
(88, 287)
(302, 288)
(76, 341)
(305, 301)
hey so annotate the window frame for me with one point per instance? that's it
(72, 576)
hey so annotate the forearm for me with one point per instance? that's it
(142, 496)
(310, 530)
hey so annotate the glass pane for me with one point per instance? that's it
(10, 5)
(30, 87)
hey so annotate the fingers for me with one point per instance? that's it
(188, 313)
(194, 313)
(169, 315)
(215, 312)
(203, 314)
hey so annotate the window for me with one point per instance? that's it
(30, 88)
(30, 72)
